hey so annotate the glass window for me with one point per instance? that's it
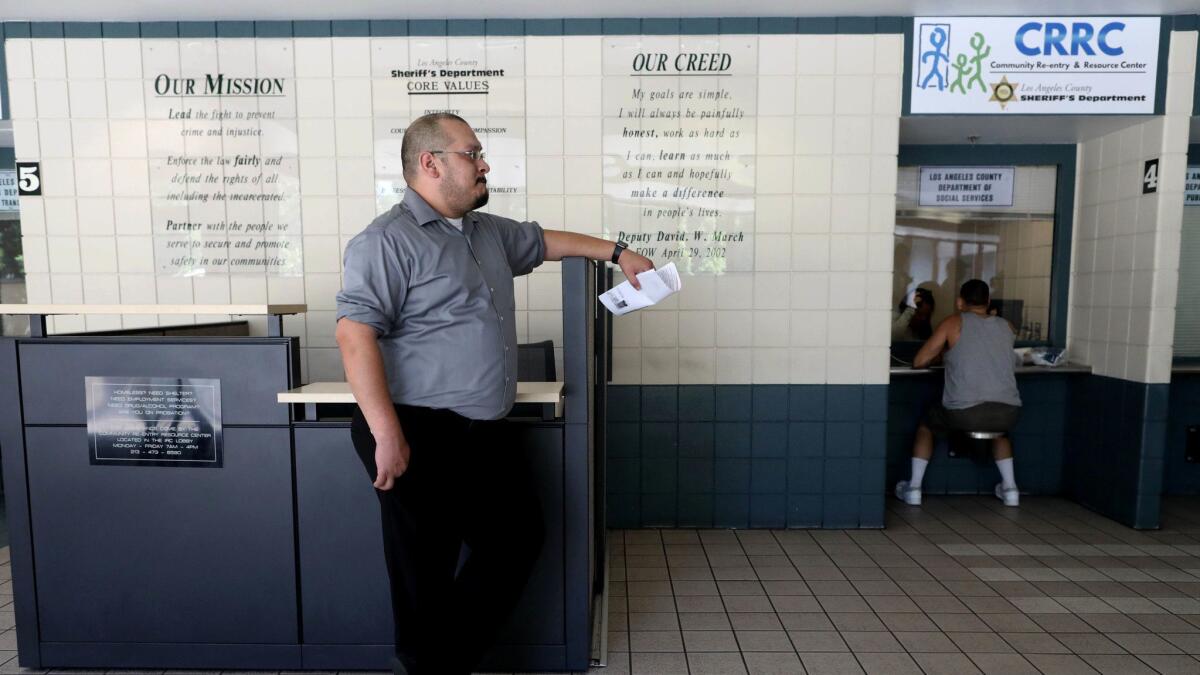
(1009, 247)
(1187, 304)
(12, 267)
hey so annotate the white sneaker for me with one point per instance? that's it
(1010, 496)
(907, 494)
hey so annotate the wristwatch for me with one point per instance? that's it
(621, 246)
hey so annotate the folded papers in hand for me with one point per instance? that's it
(656, 285)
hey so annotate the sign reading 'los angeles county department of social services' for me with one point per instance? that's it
(1034, 65)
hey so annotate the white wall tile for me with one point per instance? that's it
(96, 217)
(130, 178)
(35, 256)
(627, 366)
(84, 58)
(816, 95)
(697, 329)
(847, 328)
(772, 252)
(22, 99)
(847, 252)
(845, 365)
(581, 96)
(850, 214)
(660, 366)
(93, 178)
(102, 289)
(18, 58)
(66, 289)
(544, 97)
(852, 134)
(660, 328)
(851, 175)
(546, 326)
(60, 216)
(49, 58)
(583, 175)
(544, 175)
(545, 291)
(813, 175)
(853, 95)
(736, 291)
(816, 54)
(735, 328)
(627, 329)
(771, 366)
(55, 139)
(807, 366)
(734, 365)
(847, 290)
(697, 366)
(771, 328)
(52, 99)
(584, 56)
(87, 99)
(135, 255)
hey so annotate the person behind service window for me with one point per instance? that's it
(425, 324)
(980, 392)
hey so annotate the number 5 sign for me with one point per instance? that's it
(29, 178)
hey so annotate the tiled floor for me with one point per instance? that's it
(960, 585)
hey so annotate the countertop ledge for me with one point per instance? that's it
(1070, 368)
(52, 309)
(339, 392)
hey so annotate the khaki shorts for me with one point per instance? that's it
(982, 417)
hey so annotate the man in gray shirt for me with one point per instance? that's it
(980, 393)
(428, 341)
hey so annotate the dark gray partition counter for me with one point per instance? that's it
(273, 560)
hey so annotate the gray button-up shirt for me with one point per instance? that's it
(442, 303)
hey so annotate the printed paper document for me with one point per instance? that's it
(656, 285)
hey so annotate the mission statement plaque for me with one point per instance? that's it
(158, 421)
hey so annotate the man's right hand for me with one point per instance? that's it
(391, 461)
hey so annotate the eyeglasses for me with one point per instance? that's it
(473, 155)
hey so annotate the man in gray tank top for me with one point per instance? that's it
(980, 392)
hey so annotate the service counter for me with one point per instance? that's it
(187, 502)
(1039, 439)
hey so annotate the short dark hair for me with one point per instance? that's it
(975, 293)
(422, 135)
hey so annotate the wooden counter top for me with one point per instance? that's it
(339, 392)
(53, 309)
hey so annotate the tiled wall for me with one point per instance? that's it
(1126, 244)
(1181, 477)
(1038, 439)
(816, 307)
(813, 309)
(1123, 292)
(1115, 448)
(746, 456)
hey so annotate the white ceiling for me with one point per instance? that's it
(993, 129)
(173, 10)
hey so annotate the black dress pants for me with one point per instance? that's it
(466, 483)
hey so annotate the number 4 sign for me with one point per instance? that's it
(29, 178)
(1150, 177)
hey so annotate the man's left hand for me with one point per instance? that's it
(632, 264)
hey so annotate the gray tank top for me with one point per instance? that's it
(979, 368)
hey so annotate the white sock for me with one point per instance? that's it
(1006, 473)
(918, 472)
